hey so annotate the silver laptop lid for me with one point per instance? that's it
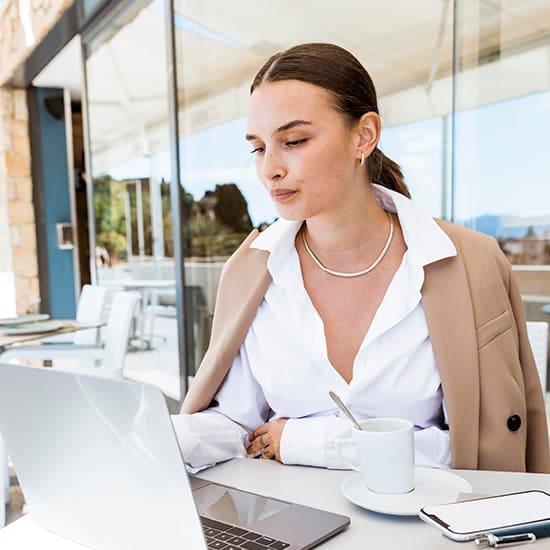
(72, 435)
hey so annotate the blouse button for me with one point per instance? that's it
(514, 423)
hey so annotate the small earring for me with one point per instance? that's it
(362, 161)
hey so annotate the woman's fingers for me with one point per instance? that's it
(255, 447)
(266, 440)
(261, 430)
(261, 441)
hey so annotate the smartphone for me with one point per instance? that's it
(520, 512)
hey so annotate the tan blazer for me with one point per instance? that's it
(495, 406)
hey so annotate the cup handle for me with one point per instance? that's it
(347, 451)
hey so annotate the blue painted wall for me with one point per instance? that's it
(57, 208)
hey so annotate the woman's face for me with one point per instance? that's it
(306, 156)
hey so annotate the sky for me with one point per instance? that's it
(501, 152)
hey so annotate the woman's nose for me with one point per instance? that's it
(272, 167)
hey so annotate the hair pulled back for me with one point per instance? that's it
(339, 72)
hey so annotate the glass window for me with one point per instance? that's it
(219, 48)
(479, 165)
(501, 145)
(129, 140)
(503, 114)
(420, 148)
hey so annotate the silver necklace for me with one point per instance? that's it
(356, 273)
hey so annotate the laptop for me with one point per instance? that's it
(98, 463)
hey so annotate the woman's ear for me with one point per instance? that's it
(368, 128)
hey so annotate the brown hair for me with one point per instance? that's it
(338, 71)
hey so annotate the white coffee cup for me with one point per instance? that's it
(384, 454)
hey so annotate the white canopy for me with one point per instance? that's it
(406, 46)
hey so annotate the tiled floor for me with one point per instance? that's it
(158, 365)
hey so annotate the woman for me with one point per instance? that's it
(356, 290)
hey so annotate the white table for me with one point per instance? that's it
(67, 325)
(319, 488)
(139, 284)
(149, 289)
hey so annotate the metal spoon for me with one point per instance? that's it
(344, 409)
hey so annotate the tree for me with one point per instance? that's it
(110, 215)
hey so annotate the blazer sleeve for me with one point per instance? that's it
(244, 281)
(537, 453)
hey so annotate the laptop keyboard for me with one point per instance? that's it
(222, 536)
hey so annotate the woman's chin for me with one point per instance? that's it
(289, 214)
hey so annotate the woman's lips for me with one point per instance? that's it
(282, 195)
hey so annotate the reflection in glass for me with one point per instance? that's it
(503, 116)
(501, 143)
(502, 112)
(220, 47)
(129, 142)
(502, 194)
(419, 147)
(235, 507)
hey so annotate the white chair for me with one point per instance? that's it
(537, 332)
(111, 355)
(90, 310)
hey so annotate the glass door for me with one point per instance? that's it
(128, 111)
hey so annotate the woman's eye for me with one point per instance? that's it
(257, 150)
(296, 142)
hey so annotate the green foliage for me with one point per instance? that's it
(204, 234)
(231, 208)
(109, 215)
(102, 205)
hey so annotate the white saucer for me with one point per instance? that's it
(432, 486)
(33, 328)
(22, 319)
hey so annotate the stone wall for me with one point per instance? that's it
(22, 25)
(15, 179)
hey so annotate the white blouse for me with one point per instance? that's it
(283, 371)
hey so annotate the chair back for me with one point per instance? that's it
(537, 332)
(117, 331)
(90, 310)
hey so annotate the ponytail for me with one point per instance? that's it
(386, 172)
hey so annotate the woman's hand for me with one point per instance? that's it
(265, 442)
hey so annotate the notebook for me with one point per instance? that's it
(99, 463)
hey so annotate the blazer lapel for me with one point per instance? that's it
(243, 284)
(449, 314)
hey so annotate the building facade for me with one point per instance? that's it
(18, 264)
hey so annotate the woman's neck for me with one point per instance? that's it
(351, 233)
